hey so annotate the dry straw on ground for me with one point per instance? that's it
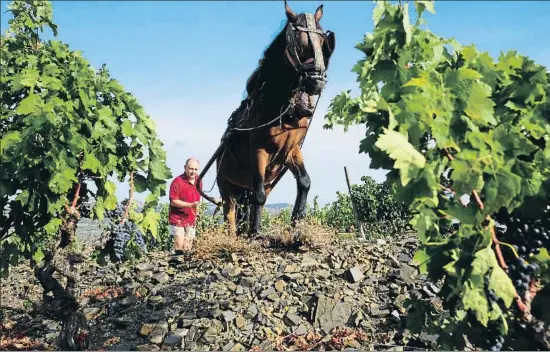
(307, 235)
(217, 243)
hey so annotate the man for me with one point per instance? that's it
(184, 200)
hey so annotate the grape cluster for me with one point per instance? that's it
(528, 237)
(116, 214)
(86, 210)
(492, 336)
(133, 228)
(495, 342)
(123, 233)
(521, 275)
(120, 236)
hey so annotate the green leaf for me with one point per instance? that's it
(110, 187)
(110, 202)
(91, 163)
(501, 284)
(431, 106)
(407, 159)
(29, 105)
(378, 12)
(479, 105)
(38, 255)
(150, 222)
(500, 190)
(462, 214)
(62, 180)
(474, 299)
(468, 73)
(417, 82)
(29, 77)
(467, 173)
(159, 170)
(53, 226)
(543, 261)
(9, 139)
(422, 5)
(127, 128)
(407, 24)
(484, 260)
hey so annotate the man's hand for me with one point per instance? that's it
(195, 205)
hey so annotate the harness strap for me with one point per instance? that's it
(313, 37)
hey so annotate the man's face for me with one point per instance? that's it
(192, 169)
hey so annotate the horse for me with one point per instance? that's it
(265, 133)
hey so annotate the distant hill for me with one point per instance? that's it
(271, 208)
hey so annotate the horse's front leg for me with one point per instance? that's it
(295, 164)
(259, 195)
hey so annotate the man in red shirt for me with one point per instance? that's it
(184, 200)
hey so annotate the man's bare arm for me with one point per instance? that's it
(181, 204)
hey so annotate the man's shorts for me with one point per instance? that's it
(187, 232)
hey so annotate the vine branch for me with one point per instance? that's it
(521, 306)
(131, 195)
(448, 154)
(76, 197)
(500, 257)
(478, 200)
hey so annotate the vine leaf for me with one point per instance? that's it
(501, 284)
(422, 5)
(474, 299)
(447, 120)
(501, 189)
(484, 260)
(407, 159)
(479, 105)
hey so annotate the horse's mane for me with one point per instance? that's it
(270, 64)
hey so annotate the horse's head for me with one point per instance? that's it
(308, 48)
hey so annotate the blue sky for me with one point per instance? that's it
(187, 63)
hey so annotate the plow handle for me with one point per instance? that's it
(205, 170)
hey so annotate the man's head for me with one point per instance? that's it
(191, 168)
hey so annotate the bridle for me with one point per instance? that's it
(313, 68)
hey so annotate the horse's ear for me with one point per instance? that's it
(319, 13)
(289, 13)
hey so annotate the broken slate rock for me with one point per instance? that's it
(355, 274)
(161, 329)
(330, 313)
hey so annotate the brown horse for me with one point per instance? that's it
(265, 134)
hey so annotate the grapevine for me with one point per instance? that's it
(67, 132)
(465, 140)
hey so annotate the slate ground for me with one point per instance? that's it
(348, 294)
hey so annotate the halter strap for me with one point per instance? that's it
(317, 62)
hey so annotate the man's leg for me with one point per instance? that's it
(178, 233)
(190, 234)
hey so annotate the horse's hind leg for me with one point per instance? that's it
(229, 196)
(303, 182)
(243, 213)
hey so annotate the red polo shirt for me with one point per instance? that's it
(183, 190)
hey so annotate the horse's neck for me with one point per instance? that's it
(277, 91)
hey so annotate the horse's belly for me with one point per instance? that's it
(279, 143)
